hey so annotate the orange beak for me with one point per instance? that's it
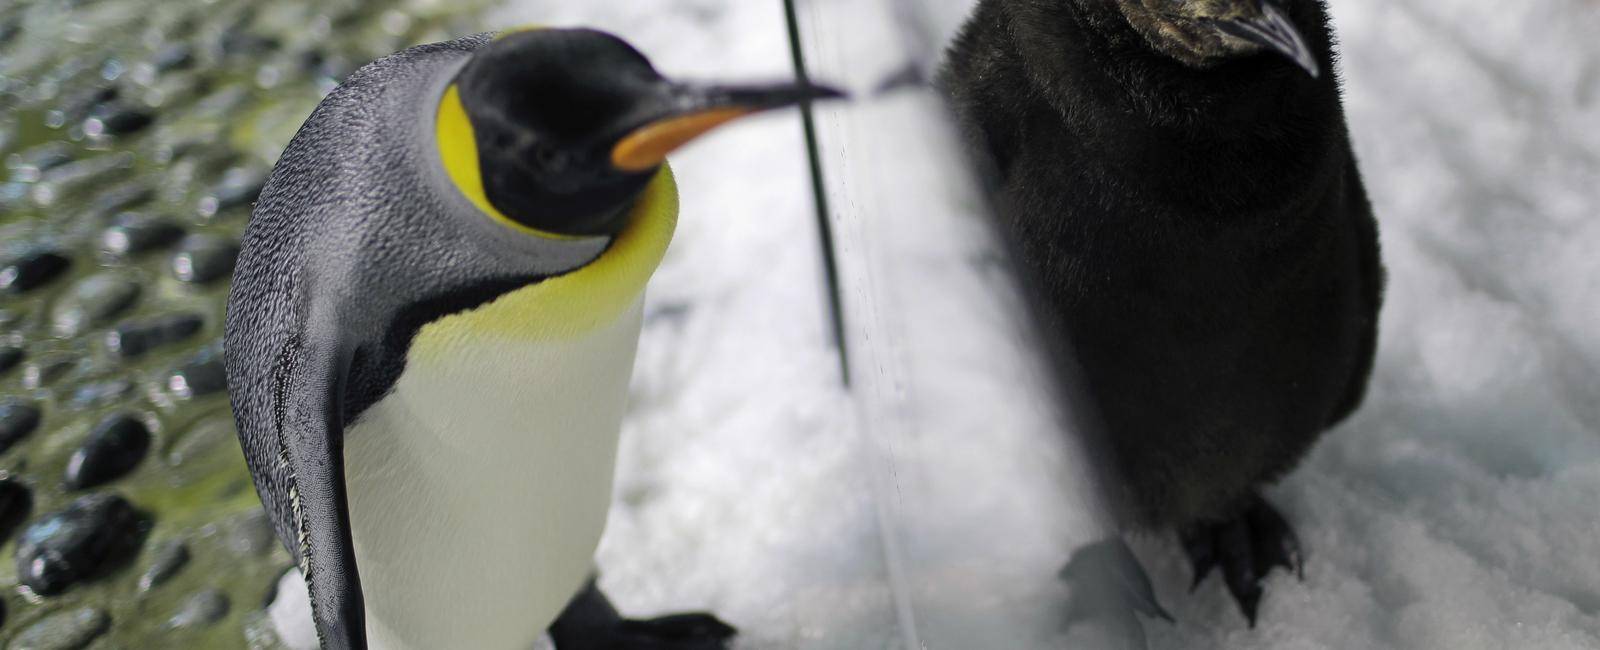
(646, 147)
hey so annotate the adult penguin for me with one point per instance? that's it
(1178, 179)
(432, 327)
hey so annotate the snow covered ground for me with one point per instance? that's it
(1457, 509)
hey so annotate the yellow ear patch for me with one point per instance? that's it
(458, 151)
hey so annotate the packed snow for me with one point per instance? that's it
(1457, 509)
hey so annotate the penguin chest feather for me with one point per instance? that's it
(478, 488)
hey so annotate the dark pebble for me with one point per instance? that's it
(240, 186)
(18, 419)
(47, 370)
(93, 302)
(16, 501)
(174, 57)
(80, 176)
(240, 42)
(251, 534)
(169, 558)
(120, 198)
(133, 232)
(201, 375)
(111, 451)
(202, 259)
(116, 119)
(10, 356)
(92, 536)
(134, 338)
(32, 270)
(201, 439)
(99, 394)
(78, 105)
(200, 610)
(30, 165)
(70, 630)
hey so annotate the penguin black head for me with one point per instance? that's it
(1204, 33)
(568, 126)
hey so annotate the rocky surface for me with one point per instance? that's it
(135, 136)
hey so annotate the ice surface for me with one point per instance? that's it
(1457, 509)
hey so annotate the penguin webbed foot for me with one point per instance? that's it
(590, 622)
(1246, 548)
(1110, 586)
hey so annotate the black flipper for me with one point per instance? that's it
(590, 622)
(1109, 585)
(310, 406)
(1247, 548)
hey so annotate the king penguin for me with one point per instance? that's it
(432, 327)
(1178, 181)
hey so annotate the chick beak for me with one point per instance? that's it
(1274, 31)
(690, 111)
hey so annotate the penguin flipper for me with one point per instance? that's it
(1109, 589)
(590, 622)
(309, 390)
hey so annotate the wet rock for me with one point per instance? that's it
(200, 610)
(92, 536)
(239, 187)
(29, 166)
(169, 558)
(201, 375)
(111, 451)
(176, 56)
(120, 198)
(94, 302)
(241, 42)
(132, 233)
(16, 501)
(10, 356)
(222, 102)
(100, 394)
(19, 418)
(80, 176)
(201, 439)
(78, 105)
(202, 259)
(134, 338)
(32, 270)
(70, 630)
(47, 370)
(251, 535)
(116, 119)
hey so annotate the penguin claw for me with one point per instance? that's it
(1109, 585)
(1246, 549)
(676, 632)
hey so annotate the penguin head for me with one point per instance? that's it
(566, 127)
(1204, 33)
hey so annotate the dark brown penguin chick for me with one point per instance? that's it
(1177, 178)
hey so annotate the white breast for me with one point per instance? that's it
(478, 489)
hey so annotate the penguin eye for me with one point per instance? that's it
(551, 159)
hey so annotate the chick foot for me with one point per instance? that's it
(1246, 548)
(590, 622)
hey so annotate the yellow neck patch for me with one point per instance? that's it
(577, 303)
